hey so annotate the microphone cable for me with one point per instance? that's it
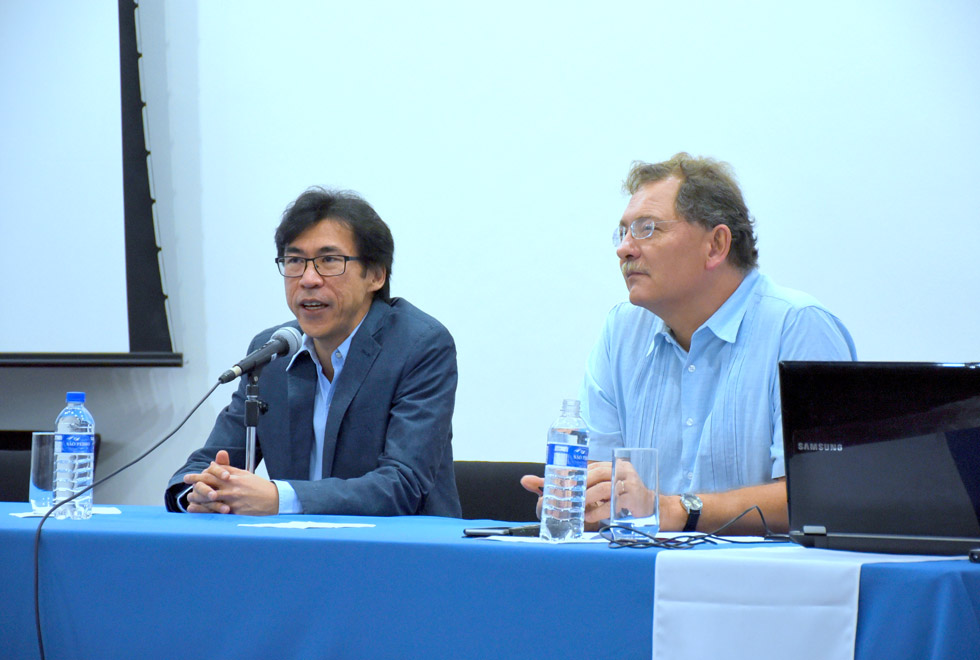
(37, 534)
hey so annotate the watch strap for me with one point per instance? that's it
(692, 520)
(693, 511)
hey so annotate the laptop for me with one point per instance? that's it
(883, 456)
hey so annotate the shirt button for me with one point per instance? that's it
(689, 422)
(690, 368)
(338, 355)
(690, 476)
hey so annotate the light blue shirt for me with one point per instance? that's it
(713, 412)
(288, 501)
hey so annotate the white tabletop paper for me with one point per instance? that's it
(759, 603)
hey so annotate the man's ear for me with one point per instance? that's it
(376, 276)
(718, 247)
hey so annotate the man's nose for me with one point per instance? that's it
(311, 277)
(627, 247)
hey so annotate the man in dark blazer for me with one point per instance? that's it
(359, 420)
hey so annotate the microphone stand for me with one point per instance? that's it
(254, 406)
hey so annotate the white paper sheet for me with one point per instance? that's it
(305, 524)
(588, 537)
(96, 511)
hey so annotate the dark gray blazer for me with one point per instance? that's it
(387, 447)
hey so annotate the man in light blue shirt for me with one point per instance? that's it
(689, 366)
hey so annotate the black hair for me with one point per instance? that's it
(372, 237)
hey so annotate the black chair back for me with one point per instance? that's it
(490, 490)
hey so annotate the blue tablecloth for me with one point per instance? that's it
(152, 584)
(927, 609)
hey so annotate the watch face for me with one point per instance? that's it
(691, 502)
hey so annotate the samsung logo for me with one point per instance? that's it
(819, 446)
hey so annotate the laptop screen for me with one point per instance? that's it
(882, 448)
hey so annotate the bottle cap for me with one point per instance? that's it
(75, 397)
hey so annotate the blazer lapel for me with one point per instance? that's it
(301, 383)
(363, 351)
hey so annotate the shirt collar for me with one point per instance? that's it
(308, 348)
(724, 323)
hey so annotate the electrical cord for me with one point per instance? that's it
(641, 539)
(37, 534)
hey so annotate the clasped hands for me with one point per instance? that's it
(222, 488)
(631, 493)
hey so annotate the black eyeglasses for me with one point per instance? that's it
(327, 265)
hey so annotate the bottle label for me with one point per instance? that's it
(72, 443)
(573, 456)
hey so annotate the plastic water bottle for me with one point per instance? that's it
(74, 457)
(563, 509)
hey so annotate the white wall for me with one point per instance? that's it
(494, 139)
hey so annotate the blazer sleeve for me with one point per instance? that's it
(228, 434)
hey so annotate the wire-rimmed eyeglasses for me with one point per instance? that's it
(639, 228)
(327, 265)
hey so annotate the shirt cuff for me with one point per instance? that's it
(288, 502)
(181, 499)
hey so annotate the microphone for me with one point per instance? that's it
(284, 342)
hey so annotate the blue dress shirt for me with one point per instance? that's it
(713, 412)
(288, 501)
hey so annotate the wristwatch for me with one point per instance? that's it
(693, 505)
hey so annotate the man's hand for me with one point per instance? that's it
(598, 492)
(596, 495)
(222, 488)
(632, 496)
(535, 484)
